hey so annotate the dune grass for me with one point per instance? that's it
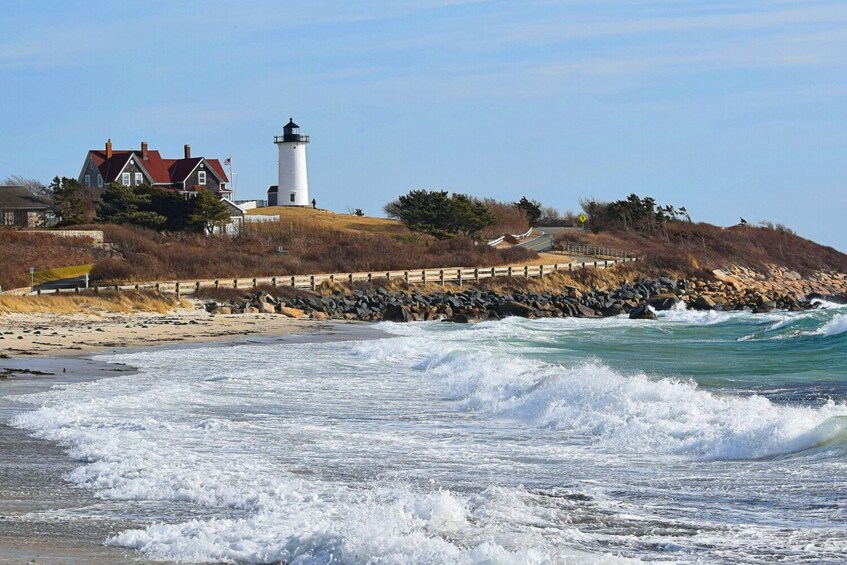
(126, 302)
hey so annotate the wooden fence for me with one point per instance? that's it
(456, 276)
(592, 251)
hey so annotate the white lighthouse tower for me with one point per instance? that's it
(293, 184)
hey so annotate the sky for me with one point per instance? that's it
(731, 109)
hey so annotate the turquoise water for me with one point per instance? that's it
(697, 438)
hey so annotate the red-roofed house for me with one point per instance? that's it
(132, 167)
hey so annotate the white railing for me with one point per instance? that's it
(499, 240)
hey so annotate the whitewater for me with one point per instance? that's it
(702, 437)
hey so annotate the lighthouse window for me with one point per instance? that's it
(292, 197)
(201, 177)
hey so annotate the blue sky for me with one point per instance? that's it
(728, 108)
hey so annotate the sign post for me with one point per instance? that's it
(582, 219)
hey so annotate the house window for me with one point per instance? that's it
(292, 197)
(125, 179)
(99, 181)
(201, 177)
(87, 180)
(139, 178)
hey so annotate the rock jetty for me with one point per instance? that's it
(638, 300)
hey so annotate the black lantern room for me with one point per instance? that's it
(291, 133)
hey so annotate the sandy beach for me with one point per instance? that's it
(45, 519)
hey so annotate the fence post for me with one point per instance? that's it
(197, 286)
(509, 272)
(388, 276)
(556, 267)
(136, 287)
(370, 277)
(273, 281)
(350, 276)
(38, 292)
(423, 276)
(312, 282)
(76, 289)
(583, 264)
(234, 283)
(57, 291)
(216, 283)
(157, 287)
(293, 282)
(526, 271)
(493, 271)
(441, 276)
(254, 283)
(605, 264)
(476, 274)
(332, 278)
(176, 288)
(406, 276)
(459, 276)
(541, 271)
(595, 264)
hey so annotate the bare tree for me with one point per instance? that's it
(34, 186)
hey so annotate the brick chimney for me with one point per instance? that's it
(144, 150)
(187, 151)
(109, 149)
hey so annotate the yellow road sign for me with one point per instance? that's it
(583, 218)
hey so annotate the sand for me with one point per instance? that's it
(43, 518)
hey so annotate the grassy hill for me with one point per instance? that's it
(331, 220)
(699, 248)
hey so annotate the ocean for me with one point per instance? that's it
(702, 437)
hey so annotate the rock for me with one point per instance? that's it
(514, 308)
(615, 309)
(396, 314)
(251, 310)
(266, 307)
(317, 315)
(460, 319)
(642, 312)
(292, 312)
(585, 311)
(703, 303)
(222, 310)
(664, 301)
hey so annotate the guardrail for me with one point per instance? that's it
(500, 239)
(457, 275)
(592, 251)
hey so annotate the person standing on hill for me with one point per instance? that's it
(314, 204)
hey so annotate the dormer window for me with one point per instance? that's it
(125, 178)
(139, 178)
(201, 178)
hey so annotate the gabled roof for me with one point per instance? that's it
(161, 171)
(18, 197)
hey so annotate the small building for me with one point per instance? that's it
(21, 208)
(273, 196)
(145, 166)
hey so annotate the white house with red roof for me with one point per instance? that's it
(135, 167)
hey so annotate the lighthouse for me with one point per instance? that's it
(293, 187)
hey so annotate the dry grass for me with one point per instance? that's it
(20, 251)
(324, 219)
(311, 248)
(117, 302)
(697, 249)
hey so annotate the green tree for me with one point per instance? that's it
(206, 212)
(436, 213)
(121, 204)
(531, 208)
(69, 199)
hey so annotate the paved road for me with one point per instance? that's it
(62, 283)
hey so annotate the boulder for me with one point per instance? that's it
(222, 310)
(266, 307)
(399, 313)
(703, 303)
(251, 310)
(318, 315)
(664, 301)
(642, 312)
(292, 312)
(514, 308)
